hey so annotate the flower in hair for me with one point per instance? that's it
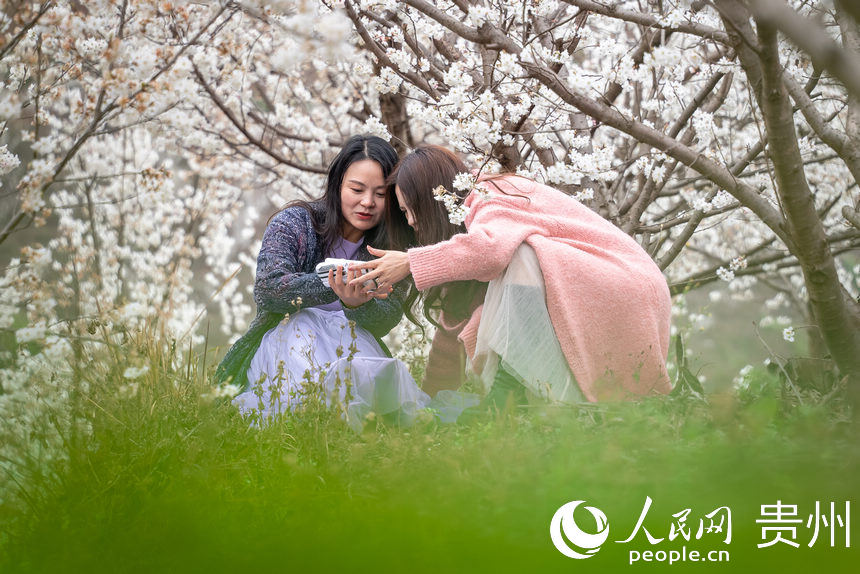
(457, 212)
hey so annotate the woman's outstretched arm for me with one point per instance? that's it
(482, 253)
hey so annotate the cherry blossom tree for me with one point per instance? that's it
(144, 144)
(123, 195)
(727, 147)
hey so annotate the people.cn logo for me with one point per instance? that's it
(578, 543)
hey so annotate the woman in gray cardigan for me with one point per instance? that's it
(306, 332)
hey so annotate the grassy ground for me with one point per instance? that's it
(162, 480)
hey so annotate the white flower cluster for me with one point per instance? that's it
(478, 15)
(92, 48)
(400, 58)
(725, 274)
(9, 105)
(457, 211)
(375, 127)
(8, 160)
(518, 106)
(287, 56)
(728, 275)
(596, 165)
(544, 7)
(31, 333)
(387, 82)
(722, 199)
(741, 381)
(701, 204)
(564, 174)
(788, 334)
(508, 64)
(584, 194)
(334, 28)
(464, 181)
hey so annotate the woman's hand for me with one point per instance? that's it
(351, 294)
(391, 267)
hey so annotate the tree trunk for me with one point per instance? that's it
(832, 313)
(392, 109)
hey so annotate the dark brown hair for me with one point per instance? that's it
(417, 175)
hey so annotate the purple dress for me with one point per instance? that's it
(318, 349)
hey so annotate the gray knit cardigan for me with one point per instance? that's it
(286, 282)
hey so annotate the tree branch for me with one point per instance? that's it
(487, 34)
(383, 59)
(852, 216)
(650, 21)
(26, 28)
(713, 171)
(812, 39)
(253, 140)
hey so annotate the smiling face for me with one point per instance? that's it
(410, 217)
(362, 198)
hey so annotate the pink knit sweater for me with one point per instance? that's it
(608, 302)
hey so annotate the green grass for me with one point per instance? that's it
(164, 481)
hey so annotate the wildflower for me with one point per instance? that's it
(229, 390)
(788, 334)
(135, 372)
(741, 382)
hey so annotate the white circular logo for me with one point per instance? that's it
(588, 544)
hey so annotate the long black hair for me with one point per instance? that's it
(326, 211)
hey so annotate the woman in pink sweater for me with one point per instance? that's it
(573, 308)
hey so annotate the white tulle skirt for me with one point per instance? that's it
(516, 331)
(317, 351)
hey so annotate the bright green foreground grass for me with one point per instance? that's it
(167, 482)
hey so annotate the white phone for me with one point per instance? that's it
(324, 267)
